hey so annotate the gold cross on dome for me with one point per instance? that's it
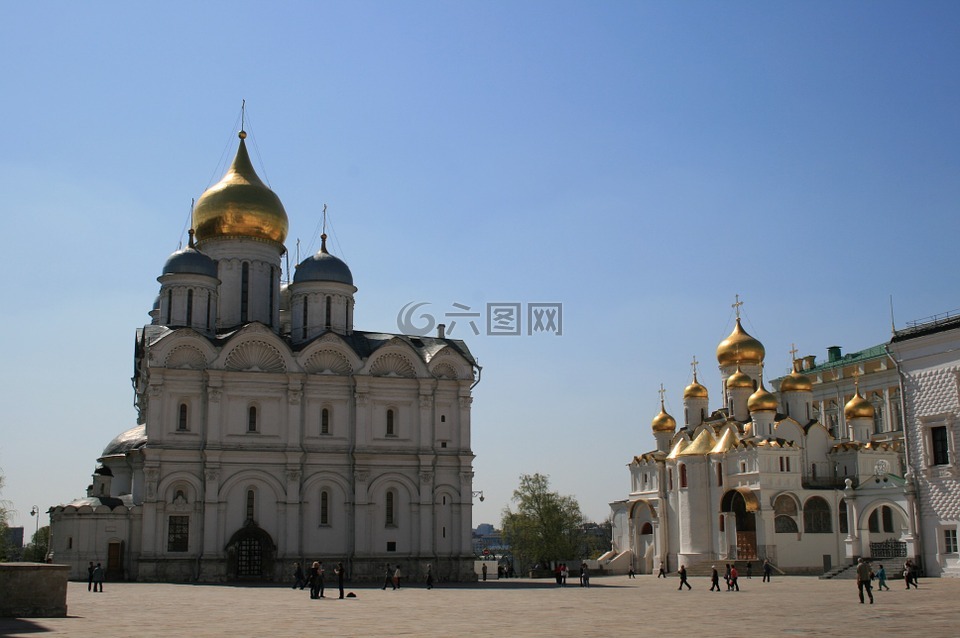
(793, 351)
(693, 364)
(662, 392)
(737, 305)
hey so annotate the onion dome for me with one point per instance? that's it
(323, 267)
(795, 382)
(240, 205)
(741, 348)
(190, 261)
(663, 422)
(130, 440)
(762, 400)
(858, 408)
(695, 390)
(739, 379)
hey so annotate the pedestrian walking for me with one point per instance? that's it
(631, 573)
(767, 570)
(429, 576)
(584, 575)
(341, 573)
(484, 570)
(298, 579)
(734, 575)
(313, 578)
(90, 577)
(714, 578)
(661, 571)
(864, 574)
(388, 578)
(683, 578)
(882, 579)
(750, 570)
(396, 578)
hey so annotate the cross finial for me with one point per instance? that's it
(793, 351)
(856, 380)
(662, 392)
(693, 364)
(736, 305)
(323, 233)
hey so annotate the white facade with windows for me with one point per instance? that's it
(927, 356)
(269, 429)
(762, 478)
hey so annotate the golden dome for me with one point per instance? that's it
(740, 347)
(795, 382)
(858, 408)
(240, 205)
(695, 390)
(762, 400)
(700, 446)
(739, 379)
(663, 422)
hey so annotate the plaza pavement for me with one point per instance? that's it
(613, 606)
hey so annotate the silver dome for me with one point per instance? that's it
(190, 261)
(323, 267)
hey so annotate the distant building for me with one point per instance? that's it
(927, 353)
(807, 478)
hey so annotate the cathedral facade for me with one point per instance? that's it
(270, 430)
(759, 477)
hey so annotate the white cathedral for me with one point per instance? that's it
(760, 477)
(270, 431)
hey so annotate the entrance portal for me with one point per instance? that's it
(744, 512)
(250, 554)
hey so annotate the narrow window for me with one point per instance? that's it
(327, 321)
(252, 419)
(324, 507)
(273, 274)
(209, 304)
(169, 307)
(190, 307)
(670, 479)
(443, 531)
(781, 463)
(69, 542)
(303, 329)
(788, 463)
(250, 504)
(178, 534)
(443, 418)
(720, 474)
(723, 523)
(938, 441)
(842, 517)
(887, 515)
(388, 513)
(325, 421)
(244, 291)
(391, 431)
(683, 475)
(182, 419)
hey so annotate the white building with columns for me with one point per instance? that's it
(269, 429)
(760, 477)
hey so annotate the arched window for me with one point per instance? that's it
(816, 516)
(723, 523)
(169, 307)
(683, 475)
(327, 319)
(182, 418)
(251, 502)
(886, 514)
(325, 421)
(252, 419)
(324, 507)
(303, 329)
(391, 426)
(244, 291)
(190, 307)
(785, 511)
(389, 509)
(842, 517)
(646, 530)
(785, 525)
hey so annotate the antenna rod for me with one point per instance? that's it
(243, 112)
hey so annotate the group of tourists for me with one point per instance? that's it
(314, 578)
(95, 578)
(866, 576)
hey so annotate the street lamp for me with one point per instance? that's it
(35, 511)
(480, 494)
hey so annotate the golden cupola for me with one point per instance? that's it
(761, 400)
(739, 379)
(796, 382)
(858, 408)
(240, 205)
(663, 422)
(695, 390)
(740, 348)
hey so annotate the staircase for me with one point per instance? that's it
(848, 571)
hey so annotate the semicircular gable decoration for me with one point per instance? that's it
(445, 371)
(257, 356)
(392, 365)
(328, 362)
(186, 357)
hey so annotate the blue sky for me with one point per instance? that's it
(639, 162)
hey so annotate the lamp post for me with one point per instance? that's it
(35, 511)
(480, 494)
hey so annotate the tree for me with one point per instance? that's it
(36, 551)
(4, 529)
(546, 526)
